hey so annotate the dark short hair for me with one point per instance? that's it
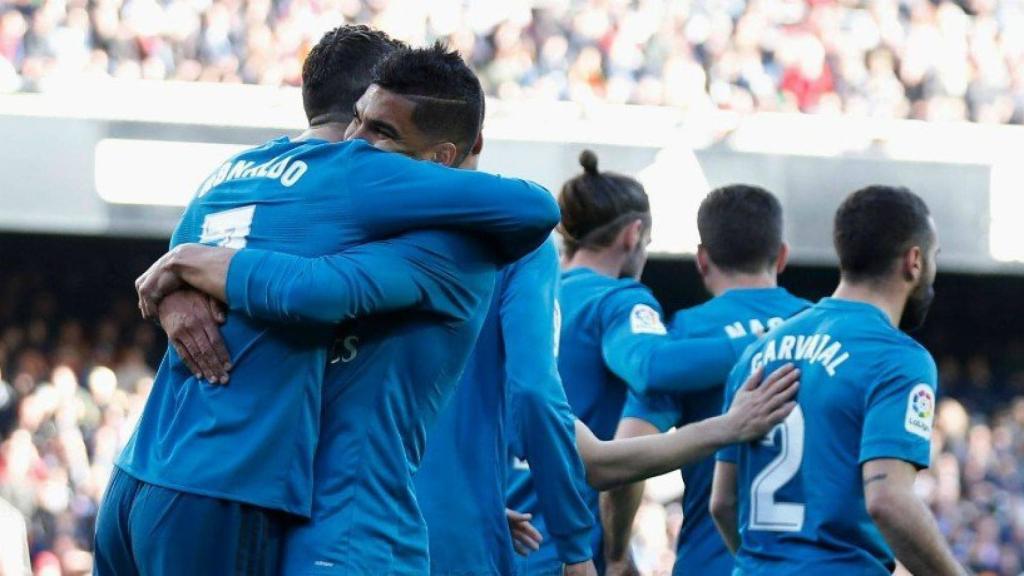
(874, 226)
(597, 205)
(340, 67)
(741, 228)
(448, 97)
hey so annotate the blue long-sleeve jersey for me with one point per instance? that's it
(389, 375)
(461, 484)
(613, 340)
(736, 313)
(253, 440)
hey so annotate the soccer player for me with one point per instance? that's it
(510, 383)
(741, 252)
(612, 336)
(206, 482)
(830, 491)
(381, 532)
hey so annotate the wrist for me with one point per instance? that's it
(574, 548)
(180, 258)
(721, 430)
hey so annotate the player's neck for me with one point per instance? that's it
(718, 282)
(877, 294)
(331, 131)
(603, 262)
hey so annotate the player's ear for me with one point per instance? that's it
(633, 235)
(444, 153)
(702, 260)
(913, 263)
(782, 259)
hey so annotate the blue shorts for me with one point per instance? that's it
(148, 530)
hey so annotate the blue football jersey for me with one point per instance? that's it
(867, 392)
(613, 340)
(736, 313)
(253, 440)
(387, 378)
(510, 383)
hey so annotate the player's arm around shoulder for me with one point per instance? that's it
(639, 348)
(631, 326)
(391, 194)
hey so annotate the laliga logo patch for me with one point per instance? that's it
(920, 411)
(645, 320)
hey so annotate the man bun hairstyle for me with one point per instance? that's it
(741, 228)
(597, 205)
(874, 226)
(448, 96)
(340, 68)
(588, 160)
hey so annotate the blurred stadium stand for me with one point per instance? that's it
(930, 60)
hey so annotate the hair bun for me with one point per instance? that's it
(588, 160)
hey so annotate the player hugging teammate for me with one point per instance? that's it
(352, 305)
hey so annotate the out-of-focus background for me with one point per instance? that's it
(113, 111)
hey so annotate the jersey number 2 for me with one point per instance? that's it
(229, 228)
(765, 512)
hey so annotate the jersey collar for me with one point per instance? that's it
(854, 306)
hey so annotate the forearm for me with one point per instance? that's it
(725, 521)
(911, 531)
(723, 505)
(618, 509)
(619, 505)
(619, 462)
(204, 267)
(369, 279)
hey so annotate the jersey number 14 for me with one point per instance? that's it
(766, 513)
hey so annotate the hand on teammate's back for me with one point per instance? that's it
(759, 406)
(525, 538)
(192, 322)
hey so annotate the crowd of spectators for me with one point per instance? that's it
(76, 364)
(926, 59)
(75, 368)
(70, 394)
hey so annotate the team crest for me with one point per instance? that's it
(920, 411)
(646, 320)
